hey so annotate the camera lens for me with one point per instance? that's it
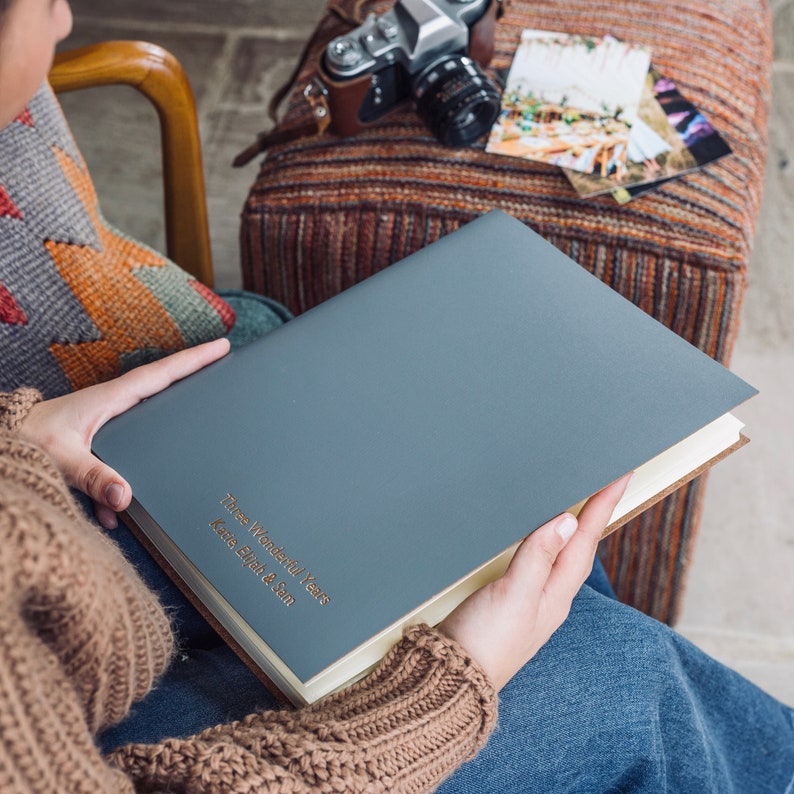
(456, 100)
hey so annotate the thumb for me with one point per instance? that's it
(109, 491)
(538, 552)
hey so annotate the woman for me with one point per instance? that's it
(601, 700)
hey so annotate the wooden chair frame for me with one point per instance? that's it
(161, 79)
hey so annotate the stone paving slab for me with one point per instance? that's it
(215, 13)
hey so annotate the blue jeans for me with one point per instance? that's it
(617, 702)
(614, 702)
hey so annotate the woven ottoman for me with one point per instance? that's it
(327, 211)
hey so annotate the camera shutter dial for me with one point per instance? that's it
(345, 52)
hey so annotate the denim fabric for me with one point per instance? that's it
(190, 627)
(617, 702)
(201, 688)
(206, 683)
(614, 702)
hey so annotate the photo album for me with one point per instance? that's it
(372, 462)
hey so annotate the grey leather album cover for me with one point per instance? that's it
(368, 454)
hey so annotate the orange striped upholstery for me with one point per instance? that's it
(325, 212)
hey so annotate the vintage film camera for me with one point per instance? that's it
(430, 51)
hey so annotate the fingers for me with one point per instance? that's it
(598, 509)
(540, 558)
(110, 492)
(575, 562)
(120, 394)
(107, 518)
(535, 557)
(504, 624)
(65, 426)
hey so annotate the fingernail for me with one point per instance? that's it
(113, 494)
(566, 526)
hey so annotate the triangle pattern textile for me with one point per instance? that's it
(95, 302)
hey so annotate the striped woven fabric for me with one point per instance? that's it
(325, 212)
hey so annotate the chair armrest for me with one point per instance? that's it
(159, 76)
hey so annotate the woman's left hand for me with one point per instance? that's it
(505, 623)
(65, 426)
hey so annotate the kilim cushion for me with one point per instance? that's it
(325, 212)
(79, 302)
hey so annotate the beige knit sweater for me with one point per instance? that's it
(81, 639)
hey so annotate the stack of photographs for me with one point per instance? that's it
(599, 110)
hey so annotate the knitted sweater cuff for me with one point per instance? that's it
(425, 710)
(15, 406)
(425, 673)
(431, 670)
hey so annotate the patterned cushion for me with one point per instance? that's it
(255, 315)
(325, 212)
(80, 302)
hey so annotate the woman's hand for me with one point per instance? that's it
(65, 426)
(504, 624)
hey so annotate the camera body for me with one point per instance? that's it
(430, 51)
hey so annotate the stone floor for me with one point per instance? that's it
(740, 601)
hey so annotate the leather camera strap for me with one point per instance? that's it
(352, 13)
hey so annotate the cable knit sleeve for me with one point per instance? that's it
(425, 710)
(14, 407)
(81, 638)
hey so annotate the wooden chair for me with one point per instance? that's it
(161, 79)
(96, 301)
